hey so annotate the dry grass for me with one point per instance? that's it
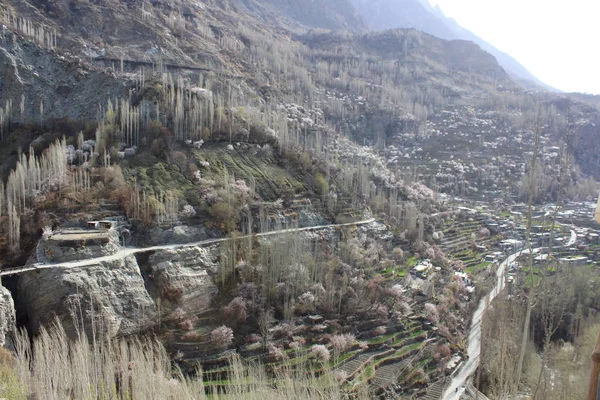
(52, 367)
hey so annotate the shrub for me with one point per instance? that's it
(432, 313)
(186, 325)
(275, 353)
(159, 148)
(253, 338)
(306, 303)
(222, 336)
(416, 376)
(396, 292)
(236, 310)
(188, 211)
(340, 375)
(321, 185)
(443, 350)
(224, 216)
(192, 337)
(483, 232)
(380, 312)
(444, 332)
(284, 331)
(300, 340)
(320, 352)
(341, 343)
(171, 293)
(380, 330)
(430, 253)
(398, 254)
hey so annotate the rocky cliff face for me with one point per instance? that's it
(112, 293)
(7, 316)
(118, 296)
(183, 277)
(43, 85)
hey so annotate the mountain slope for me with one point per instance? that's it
(298, 16)
(372, 87)
(418, 14)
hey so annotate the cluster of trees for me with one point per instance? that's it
(43, 35)
(556, 360)
(32, 177)
(150, 207)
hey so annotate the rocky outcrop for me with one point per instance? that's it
(176, 234)
(77, 244)
(7, 316)
(112, 294)
(47, 85)
(183, 277)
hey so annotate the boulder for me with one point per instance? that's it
(110, 296)
(7, 316)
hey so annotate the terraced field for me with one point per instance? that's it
(386, 360)
(390, 359)
(458, 239)
(436, 390)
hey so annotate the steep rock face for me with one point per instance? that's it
(184, 277)
(114, 290)
(7, 315)
(48, 85)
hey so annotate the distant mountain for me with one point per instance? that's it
(303, 15)
(419, 14)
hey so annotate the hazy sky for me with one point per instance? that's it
(556, 40)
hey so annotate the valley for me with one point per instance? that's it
(260, 199)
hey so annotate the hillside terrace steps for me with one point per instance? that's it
(436, 390)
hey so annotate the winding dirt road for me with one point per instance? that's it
(127, 251)
(459, 381)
